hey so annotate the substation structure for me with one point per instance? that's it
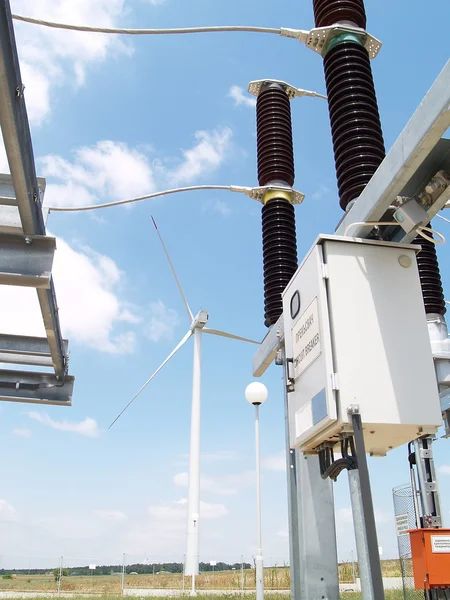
(359, 327)
(26, 251)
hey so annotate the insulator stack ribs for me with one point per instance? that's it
(276, 165)
(430, 277)
(355, 122)
(329, 12)
(274, 135)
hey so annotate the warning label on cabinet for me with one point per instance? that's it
(306, 339)
(402, 524)
(440, 544)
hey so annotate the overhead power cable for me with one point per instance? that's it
(257, 193)
(283, 31)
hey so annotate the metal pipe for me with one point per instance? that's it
(364, 520)
(259, 566)
(193, 505)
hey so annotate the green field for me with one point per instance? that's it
(275, 578)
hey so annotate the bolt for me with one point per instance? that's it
(27, 240)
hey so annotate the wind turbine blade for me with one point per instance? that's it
(228, 335)
(189, 312)
(174, 351)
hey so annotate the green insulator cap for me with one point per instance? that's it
(338, 39)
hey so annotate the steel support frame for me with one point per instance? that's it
(419, 137)
(26, 350)
(421, 134)
(19, 150)
(312, 530)
(428, 487)
(35, 388)
(364, 519)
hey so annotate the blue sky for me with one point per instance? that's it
(113, 118)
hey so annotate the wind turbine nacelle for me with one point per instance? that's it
(200, 320)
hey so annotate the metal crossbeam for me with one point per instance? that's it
(418, 139)
(19, 150)
(26, 350)
(35, 388)
(26, 260)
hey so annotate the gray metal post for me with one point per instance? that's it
(364, 520)
(312, 530)
(294, 540)
(428, 488)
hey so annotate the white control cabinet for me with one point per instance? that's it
(356, 331)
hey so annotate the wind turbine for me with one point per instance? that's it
(197, 326)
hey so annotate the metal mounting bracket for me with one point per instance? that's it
(318, 38)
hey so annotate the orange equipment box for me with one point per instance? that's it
(430, 550)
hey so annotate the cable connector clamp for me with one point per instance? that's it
(259, 193)
(320, 38)
(255, 87)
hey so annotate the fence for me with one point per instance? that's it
(138, 574)
(406, 519)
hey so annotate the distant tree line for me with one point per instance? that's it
(139, 568)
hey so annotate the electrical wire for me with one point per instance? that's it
(230, 188)
(443, 218)
(283, 31)
(368, 224)
(419, 230)
(438, 242)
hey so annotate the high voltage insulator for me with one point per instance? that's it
(430, 277)
(355, 122)
(274, 136)
(329, 12)
(276, 166)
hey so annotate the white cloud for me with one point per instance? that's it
(205, 156)
(110, 514)
(219, 207)
(162, 322)
(444, 469)
(22, 432)
(88, 427)
(91, 317)
(275, 462)
(283, 534)
(7, 512)
(4, 166)
(223, 485)
(109, 169)
(240, 98)
(50, 58)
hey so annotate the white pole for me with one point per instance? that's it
(60, 576)
(193, 506)
(259, 558)
(123, 573)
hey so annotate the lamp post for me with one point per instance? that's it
(256, 393)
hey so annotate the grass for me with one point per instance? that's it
(390, 595)
(275, 578)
